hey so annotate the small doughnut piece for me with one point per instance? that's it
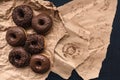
(19, 57)
(42, 23)
(22, 15)
(16, 36)
(39, 63)
(34, 43)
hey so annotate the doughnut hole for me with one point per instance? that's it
(21, 13)
(17, 57)
(41, 22)
(34, 43)
(38, 63)
(13, 36)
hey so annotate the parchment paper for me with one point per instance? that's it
(9, 72)
(91, 22)
(82, 45)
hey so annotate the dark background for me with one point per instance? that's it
(111, 65)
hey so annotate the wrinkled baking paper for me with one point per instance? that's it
(89, 24)
(9, 72)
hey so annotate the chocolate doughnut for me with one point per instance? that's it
(39, 64)
(19, 57)
(16, 36)
(42, 23)
(22, 15)
(34, 43)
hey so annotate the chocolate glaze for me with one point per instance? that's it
(19, 57)
(16, 36)
(34, 43)
(22, 15)
(39, 63)
(42, 23)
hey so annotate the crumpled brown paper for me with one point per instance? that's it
(89, 24)
(9, 72)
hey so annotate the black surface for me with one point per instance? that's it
(111, 65)
(75, 76)
(59, 2)
(54, 76)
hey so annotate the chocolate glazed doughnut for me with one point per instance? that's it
(16, 36)
(19, 57)
(22, 15)
(34, 43)
(39, 64)
(42, 23)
